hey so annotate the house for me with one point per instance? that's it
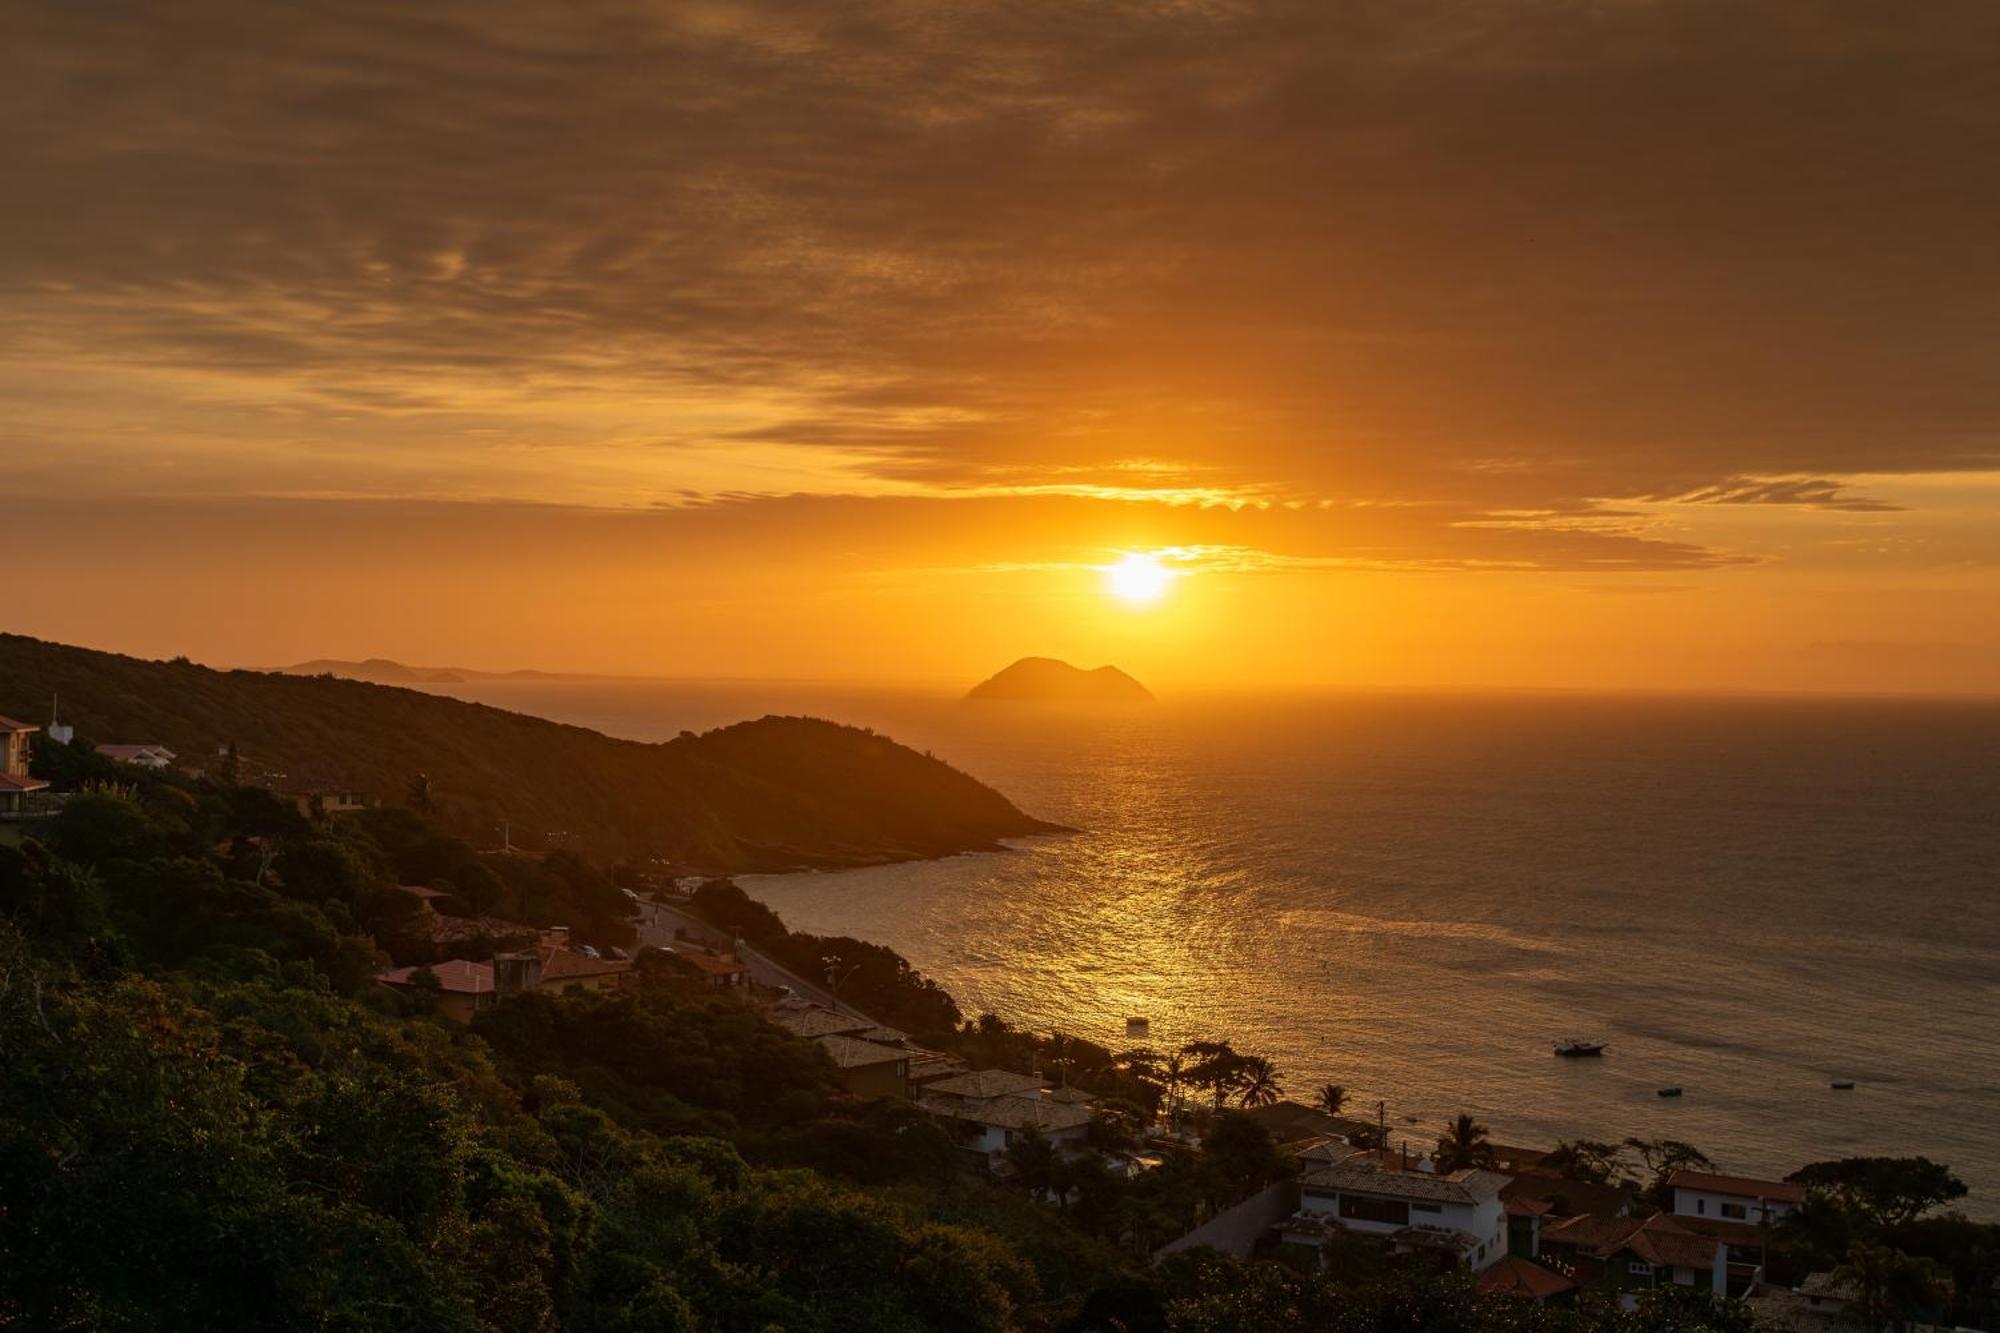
(464, 988)
(718, 970)
(15, 784)
(997, 1106)
(1624, 1256)
(867, 1068)
(563, 969)
(317, 802)
(140, 756)
(1733, 1198)
(1456, 1218)
(1528, 1280)
(812, 1022)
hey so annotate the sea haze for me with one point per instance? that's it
(1414, 895)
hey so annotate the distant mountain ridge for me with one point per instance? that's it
(778, 793)
(1049, 680)
(385, 671)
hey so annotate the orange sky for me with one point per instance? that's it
(1604, 344)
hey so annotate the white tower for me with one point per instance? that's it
(59, 731)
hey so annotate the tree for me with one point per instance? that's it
(1033, 1159)
(1463, 1144)
(1888, 1288)
(1214, 1065)
(1257, 1082)
(1586, 1160)
(1885, 1191)
(1332, 1098)
(1663, 1157)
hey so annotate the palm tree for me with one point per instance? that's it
(1463, 1144)
(1257, 1082)
(1216, 1066)
(1173, 1077)
(1332, 1097)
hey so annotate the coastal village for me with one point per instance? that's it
(1519, 1221)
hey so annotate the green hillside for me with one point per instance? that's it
(772, 794)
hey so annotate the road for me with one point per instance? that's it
(659, 921)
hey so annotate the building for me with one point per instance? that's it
(1623, 1256)
(317, 802)
(719, 970)
(812, 1022)
(868, 1068)
(564, 969)
(1733, 1198)
(1456, 1218)
(139, 756)
(15, 784)
(1527, 1280)
(464, 988)
(997, 1107)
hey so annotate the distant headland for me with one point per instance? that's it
(383, 671)
(1046, 680)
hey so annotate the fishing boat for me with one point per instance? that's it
(1843, 1085)
(1670, 1092)
(1137, 1027)
(1574, 1048)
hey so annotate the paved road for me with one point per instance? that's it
(658, 922)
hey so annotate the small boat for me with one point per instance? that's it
(1137, 1027)
(1843, 1085)
(1574, 1048)
(1670, 1092)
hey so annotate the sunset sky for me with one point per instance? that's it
(1491, 344)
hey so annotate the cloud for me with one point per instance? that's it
(1505, 266)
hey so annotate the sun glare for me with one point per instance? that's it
(1139, 579)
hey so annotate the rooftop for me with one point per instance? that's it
(1010, 1111)
(8, 724)
(1515, 1276)
(1470, 1186)
(816, 1022)
(8, 782)
(1744, 1187)
(854, 1053)
(984, 1083)
(456, 975)
(560, 964)
(1658, 1239)
(714, 964)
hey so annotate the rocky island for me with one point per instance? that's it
(1047, 680)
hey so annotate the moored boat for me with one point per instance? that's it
(1670, 1092)
(1574, 1047)
(1843, 1085)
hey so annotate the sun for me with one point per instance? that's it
(1139, 579)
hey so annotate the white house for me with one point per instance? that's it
(144, 756)
(1733, 1198)
(1458, 1216)
(1625, 1256)
(1000, 1106)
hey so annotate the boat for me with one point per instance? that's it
(1843, 1085)
(1670, 1092)
(1137, 1027)
(1574, 1048)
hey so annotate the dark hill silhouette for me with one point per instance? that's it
(1046, 680)
(384, 671)
(773, 794)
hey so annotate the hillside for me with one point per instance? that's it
(1046, 680)
(773, 794)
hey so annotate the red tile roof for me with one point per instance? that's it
(9, 782)
(1515, 1276)
(9, 724)
(1657, 1239)
(565, 964)
(1743, 1187)
(712, 963)
(456, 975)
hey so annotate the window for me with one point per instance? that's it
(1735, 1210)
(1701, 1205)
(1360, 1208)
(1639, 1268)
(1426, 1208)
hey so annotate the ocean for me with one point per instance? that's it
(1414, 895)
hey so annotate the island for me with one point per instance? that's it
(1048, 680)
